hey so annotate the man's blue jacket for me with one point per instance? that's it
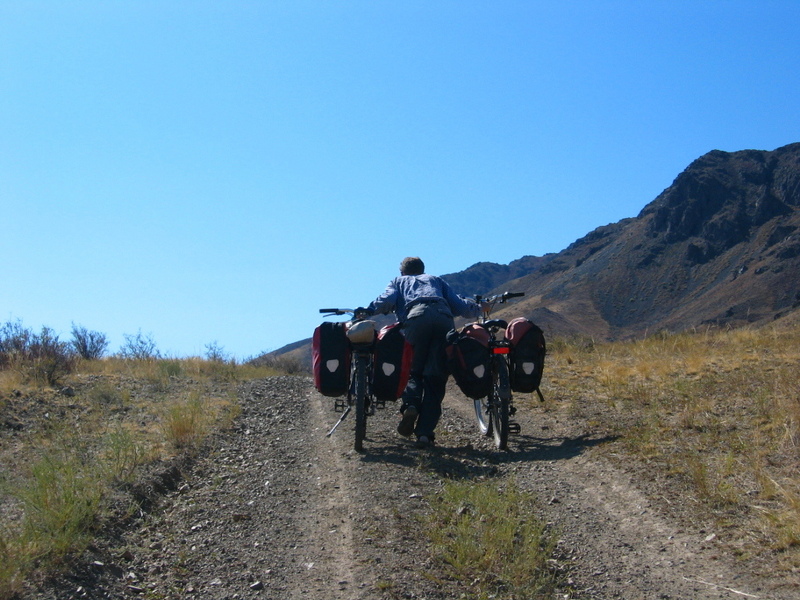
(405, 291)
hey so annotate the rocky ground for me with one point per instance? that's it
(274, 509)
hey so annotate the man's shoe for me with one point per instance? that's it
(424, 441)
(406, 426)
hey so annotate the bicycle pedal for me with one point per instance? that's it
(380, 403)
(339, 405)
(514, 428)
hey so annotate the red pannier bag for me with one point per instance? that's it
(468, 360)
(528, 350)
(391, 363)
(330, 356)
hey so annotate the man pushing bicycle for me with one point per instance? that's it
(425, 305)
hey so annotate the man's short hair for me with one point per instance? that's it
(412, 265)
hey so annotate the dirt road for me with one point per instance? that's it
(273, 509)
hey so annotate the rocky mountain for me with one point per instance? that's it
(720, 246)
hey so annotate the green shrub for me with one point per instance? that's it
(61, 500)
(123, 454)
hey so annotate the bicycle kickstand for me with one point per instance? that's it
(339, 422)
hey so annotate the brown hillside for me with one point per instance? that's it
(719, 246)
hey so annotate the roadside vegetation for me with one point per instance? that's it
(712, 416)
(490, 538)
(78, 428)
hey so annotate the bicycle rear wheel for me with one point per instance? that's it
(361, 403)
(499, 409)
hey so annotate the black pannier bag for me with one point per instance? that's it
(468, 360)
(391, 363)
(330, 355)
(528, 350)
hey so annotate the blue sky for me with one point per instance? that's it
(218, 171)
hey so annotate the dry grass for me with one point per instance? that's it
(491, 537)
(715, 413)
(66, 451)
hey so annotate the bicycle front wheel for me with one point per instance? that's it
(482, 414)
(361, 403)
(499, 408)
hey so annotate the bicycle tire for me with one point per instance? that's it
(361, 403)
(482, 414)
(500, 407)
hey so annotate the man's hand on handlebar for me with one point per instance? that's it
(487, 304)
(359, 313)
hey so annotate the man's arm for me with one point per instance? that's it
(462, 307)
(386, 302)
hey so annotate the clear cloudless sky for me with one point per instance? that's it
(206, 172)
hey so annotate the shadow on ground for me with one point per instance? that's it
(468, 462)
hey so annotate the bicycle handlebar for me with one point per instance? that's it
(501, 298)
(359, 313)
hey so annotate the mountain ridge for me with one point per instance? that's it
(720, 246)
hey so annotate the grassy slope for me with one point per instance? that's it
(713, 417)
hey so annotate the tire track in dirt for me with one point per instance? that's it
(379, 501)
(334, 531)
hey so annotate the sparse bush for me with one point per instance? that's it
(185, 422)
(14, 342)
(50, 359)
(139, 347)
(216, 353)
(40, 358)
(89, 345)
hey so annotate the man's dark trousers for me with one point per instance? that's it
(426, 330)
